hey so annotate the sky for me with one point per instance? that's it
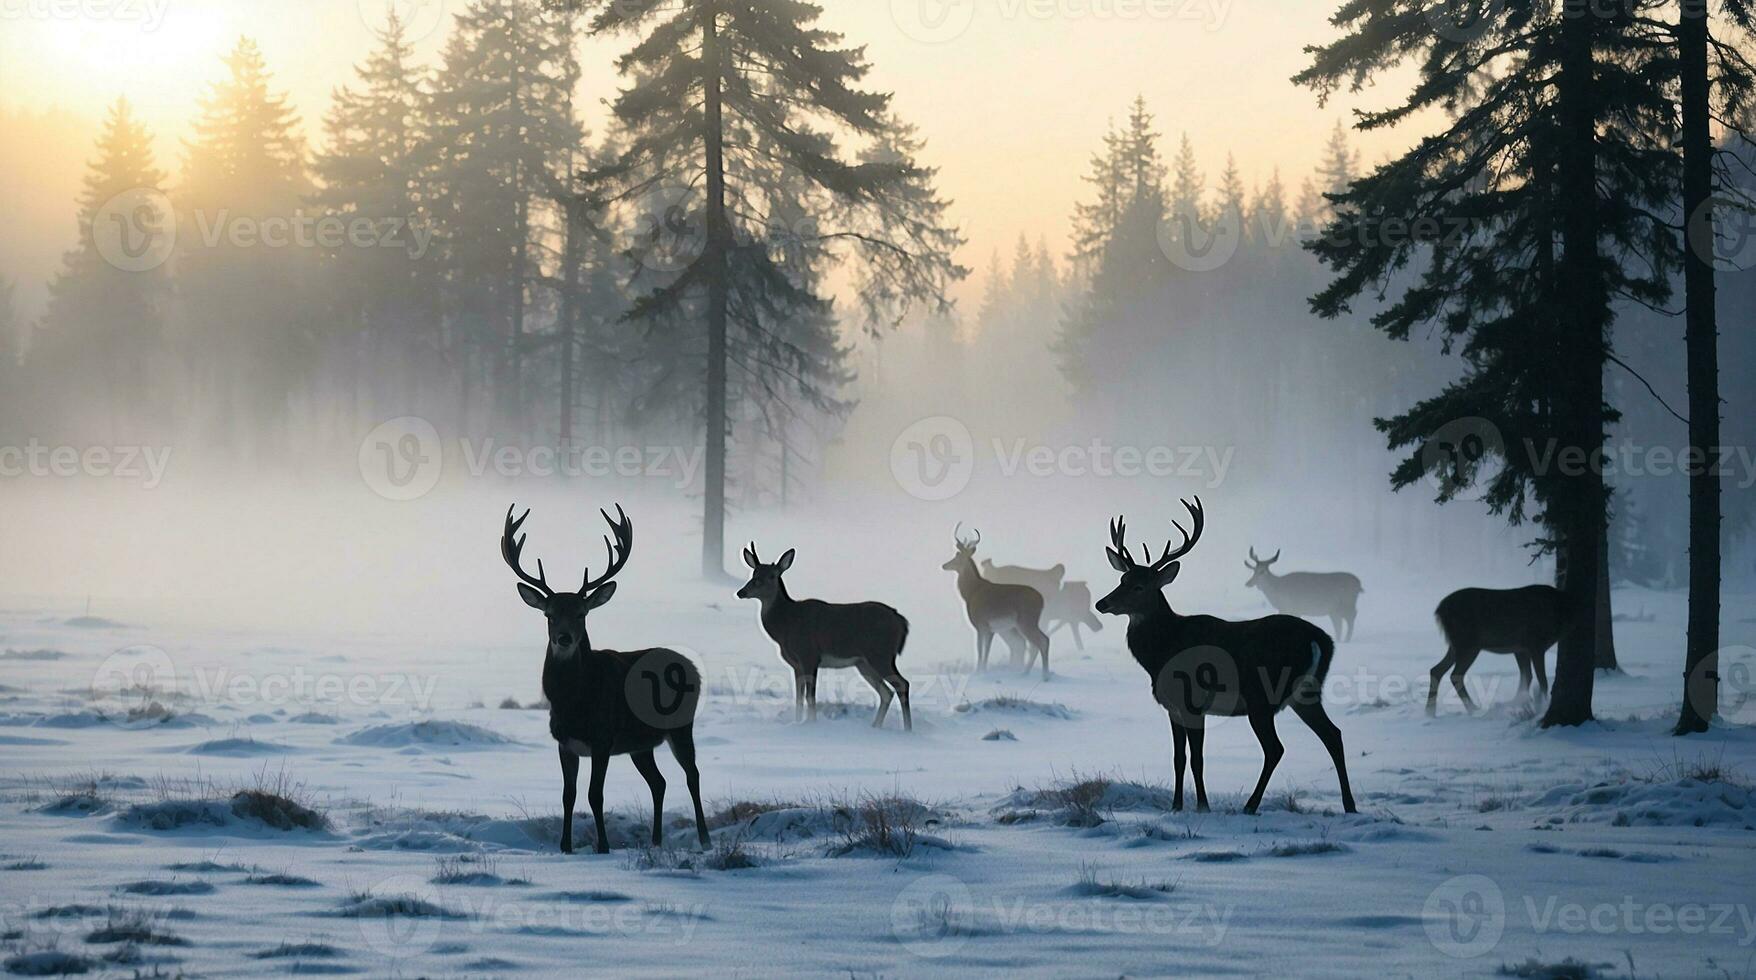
(1013, 96)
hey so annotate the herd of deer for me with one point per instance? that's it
(605, 703)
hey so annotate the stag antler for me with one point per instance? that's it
(970, 543)
(1198, 520)
(1119, 540)
(618, 553)
(512, 550)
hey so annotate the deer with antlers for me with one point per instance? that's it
(605, 703)
(1202, 666)
(1332, 594)
(1012, 611)
(811, 634)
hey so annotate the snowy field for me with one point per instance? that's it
(227, 801)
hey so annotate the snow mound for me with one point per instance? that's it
(449, 734)
(246, 810)
(1015, 707)
(1678, 803)
(238, 748)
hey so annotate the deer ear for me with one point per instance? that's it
(750, 558)
(1168, 574)
(1116, 561)
(601, 596)
(533, 598)
(786, 560)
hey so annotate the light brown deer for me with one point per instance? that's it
(1013, 611)
(1523, 622)
(811, 634)
(1065, 603)
(1332, 594)
(605, 703)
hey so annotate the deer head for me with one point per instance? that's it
(1139, 591)
(966, 550)
(764, 581)
(1259, 568)
(566, 610)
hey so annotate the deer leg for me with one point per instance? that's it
(594, 793)
(569, 793)
(874, 678)
(984, 643)
(682, 742)
(655, 781)
(1041, 640)
(900, 683)
(1312, 714)
(811, 693)
(1263, 724)
(1542, 672)
(1198, 763)
(1438, 673)
(1078, 641)
(1179, 739)
(1335, 623)
(1523, 673)
(1465, 659)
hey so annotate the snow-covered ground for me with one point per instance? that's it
(1482, 844)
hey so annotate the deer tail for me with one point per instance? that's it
(902, 636)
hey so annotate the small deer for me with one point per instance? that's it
(811, 634)
(1332, 594)
(1013, 611)
(1523, 622)
(604, 703)
(1065, 603)
(1202, 666)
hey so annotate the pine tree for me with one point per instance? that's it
(250, 332)
(1268, 215)
(1188, 186)
(1340, 164)
(1543, 179)
(370, 172)
(1703, 66)
(104, 325)
(1095, 223)
(746, 103)
(500, 126)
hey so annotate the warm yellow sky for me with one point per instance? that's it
(1013, 95)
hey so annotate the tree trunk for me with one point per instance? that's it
(1606, 633)
(1701, 336)
(1579, 496)
(713, 522)
(569, 312)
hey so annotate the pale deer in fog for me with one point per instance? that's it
(1013, 611)
(1065, 603)
(1332, 594)
(1523, 622)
